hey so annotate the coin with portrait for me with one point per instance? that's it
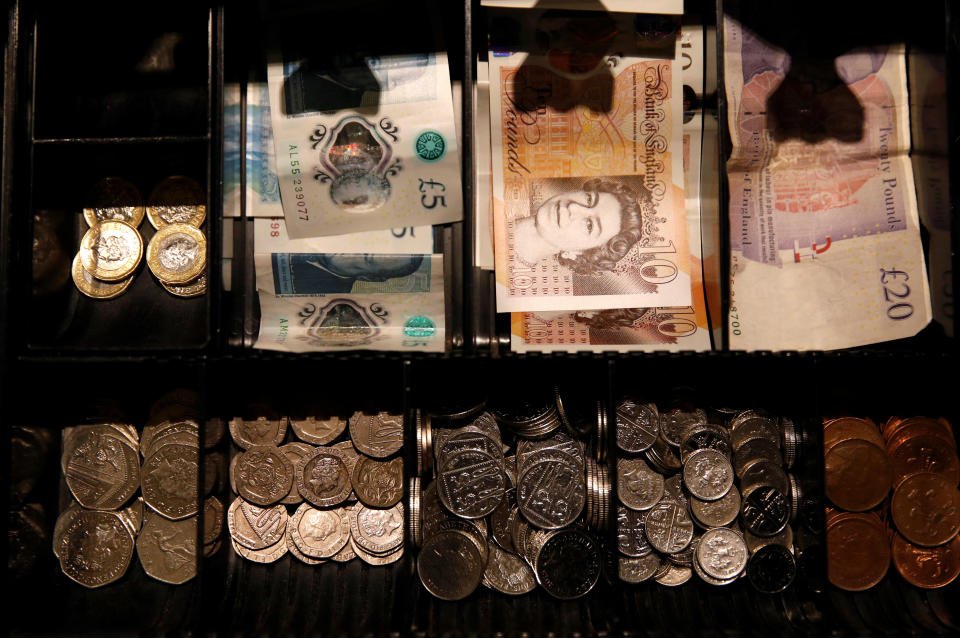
(177, 253)
(111, 250)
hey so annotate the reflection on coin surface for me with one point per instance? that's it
(264, 475)
(177, 253)
(101, 467)
(177, 200)
(378, 435)
(113, 198)
(168, 549)
(111, 250)
(94, 288)
(377, 483)
(256, 527)
(318, 431)
(94, 547)
(323, 477)
(170, 476)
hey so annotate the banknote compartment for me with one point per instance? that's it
(145, 316)
(135, 602)
(119, 71)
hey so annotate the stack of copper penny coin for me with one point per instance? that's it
(916, 527)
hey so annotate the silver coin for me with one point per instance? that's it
(213, 516)
(638, 425)
(631, 539)
(260, 431)
(471, 483)
(294, 452)
(264, 475)
(702, 436)
(551, 493)
(638, 570)
(378, 435)
(722, 553)
(753, 450)
(675, 423)
(464, 441)
(638, 486)
(501, 520)
(708, 474)
(743, 415)
(318, 430)
(169, 480)
(377, 531)
(753, 427)
(568, 563)
(101, 467)
(507, 573)
(295, 551)
(668, 527)
(663, 457)
(256, 527)
(784, 538)
(269, 554)
(558, 441)
(710, 580)
(674, 490)
(718, 513)
(450, 566)
(674, 575)
(323, 477)
(94, 547)
(765, 473)
(319, 533)
(378, 560)
(168, 549)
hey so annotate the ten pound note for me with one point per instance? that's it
(824, 235)
(587, 174)
(364, 142)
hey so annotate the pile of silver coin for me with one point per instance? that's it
(95, 536)
(703, 496)
(513, 499)
(346, 493)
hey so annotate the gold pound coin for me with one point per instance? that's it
(94, 288)
(177, 200)
(114, 198)
(193, 288)
(111, 250)
(177, 254)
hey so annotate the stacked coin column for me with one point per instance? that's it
(917, 526)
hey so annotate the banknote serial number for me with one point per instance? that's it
(895, 293)
(299, 201)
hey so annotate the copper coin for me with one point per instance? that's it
(917, 424)
(858, 554)
(847, 428)
(927, 567)
(926, 509)
(858, 475)
(923, 453)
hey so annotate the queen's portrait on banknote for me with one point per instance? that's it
(587, 228)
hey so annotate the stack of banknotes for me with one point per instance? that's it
(349, 160)
(593, 220)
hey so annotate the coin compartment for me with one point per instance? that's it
(145, 316)
(120, 71)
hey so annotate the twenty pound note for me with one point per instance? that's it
(587, 176)
(364, 142)
(824, 232)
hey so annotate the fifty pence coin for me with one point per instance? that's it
(94, 547)
(168, 549)
(101, 467)
(378, 435)
(170, 480)
(264, 475)
(111, 250)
